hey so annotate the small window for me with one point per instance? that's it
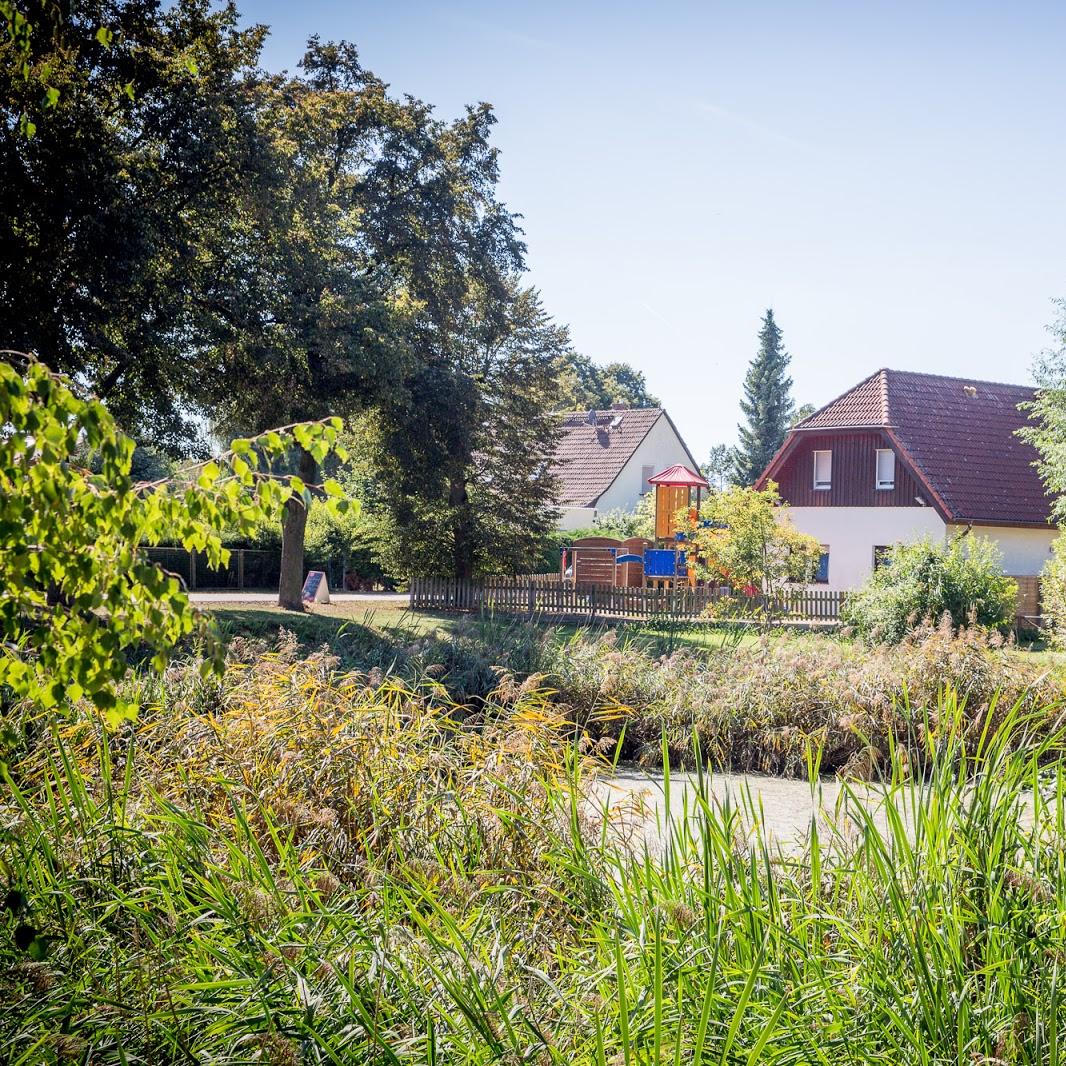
(821, 575)
(886, 468)
(823, 470)
(881, 555)
(645, 473)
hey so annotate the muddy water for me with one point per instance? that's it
(779, 810)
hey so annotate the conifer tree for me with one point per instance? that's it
(767, 405)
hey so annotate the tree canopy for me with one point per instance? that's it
(583, 385)
(746, 539)
(1047, 413)
(145, 146)
(78, 596)
(463, 453)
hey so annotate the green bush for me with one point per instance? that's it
(962, 579)
(1053, 594)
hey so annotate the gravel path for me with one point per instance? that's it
(272, 597)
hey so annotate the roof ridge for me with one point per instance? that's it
(957, 377)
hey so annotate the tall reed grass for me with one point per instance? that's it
(303, 865)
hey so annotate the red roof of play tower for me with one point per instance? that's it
(679, 475)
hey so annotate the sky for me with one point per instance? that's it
(890, 178)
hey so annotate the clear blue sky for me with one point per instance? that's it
(889, 177)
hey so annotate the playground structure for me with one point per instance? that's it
(637, 562)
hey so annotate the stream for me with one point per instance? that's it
(777, 809)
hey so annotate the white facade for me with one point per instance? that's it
(662, 447)
(575, 517)
(850, 535)
(1025, 550)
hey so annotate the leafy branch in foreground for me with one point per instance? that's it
(76, 593)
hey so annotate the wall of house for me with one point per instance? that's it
(575, 518)
(851, 534)
(1024, 550)
(853, 474)
(660, 448)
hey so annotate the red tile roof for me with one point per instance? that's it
(590, 457)
(957, 433)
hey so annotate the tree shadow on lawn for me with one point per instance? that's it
(360, 643)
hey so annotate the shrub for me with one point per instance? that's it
(962, 579)
(1053, 593)
(747, 539)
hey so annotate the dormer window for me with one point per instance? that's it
(885, 473)
(823, 470)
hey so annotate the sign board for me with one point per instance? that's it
(316, 587)
(660, 562)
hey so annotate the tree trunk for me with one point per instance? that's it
(293, 525)
(462, 530)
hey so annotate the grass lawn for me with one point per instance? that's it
(325, 623)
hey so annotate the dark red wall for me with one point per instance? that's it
(854, 458)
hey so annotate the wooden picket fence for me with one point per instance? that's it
(549, 594)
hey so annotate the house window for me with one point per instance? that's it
(821, 575)
(645, 473)
(880, 555)
(823, 470)
(886, 468)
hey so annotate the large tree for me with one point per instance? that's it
(1047, 413)
(129, 145)
(464, 453)
(767, 404)
(355, 279)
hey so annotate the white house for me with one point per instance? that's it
(904, 455)
(605, 458)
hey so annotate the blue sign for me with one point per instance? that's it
(660, 562)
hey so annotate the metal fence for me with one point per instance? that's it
(546, 594)
(248, 569)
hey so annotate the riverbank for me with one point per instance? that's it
(294, 864)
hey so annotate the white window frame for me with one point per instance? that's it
(884, 484)
(827, 482)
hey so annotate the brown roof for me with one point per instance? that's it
(590, 457)
(959, 436)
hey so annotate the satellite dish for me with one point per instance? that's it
(616, 421)
(591, 418)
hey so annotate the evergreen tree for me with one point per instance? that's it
(463, 455)
(767, 404)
